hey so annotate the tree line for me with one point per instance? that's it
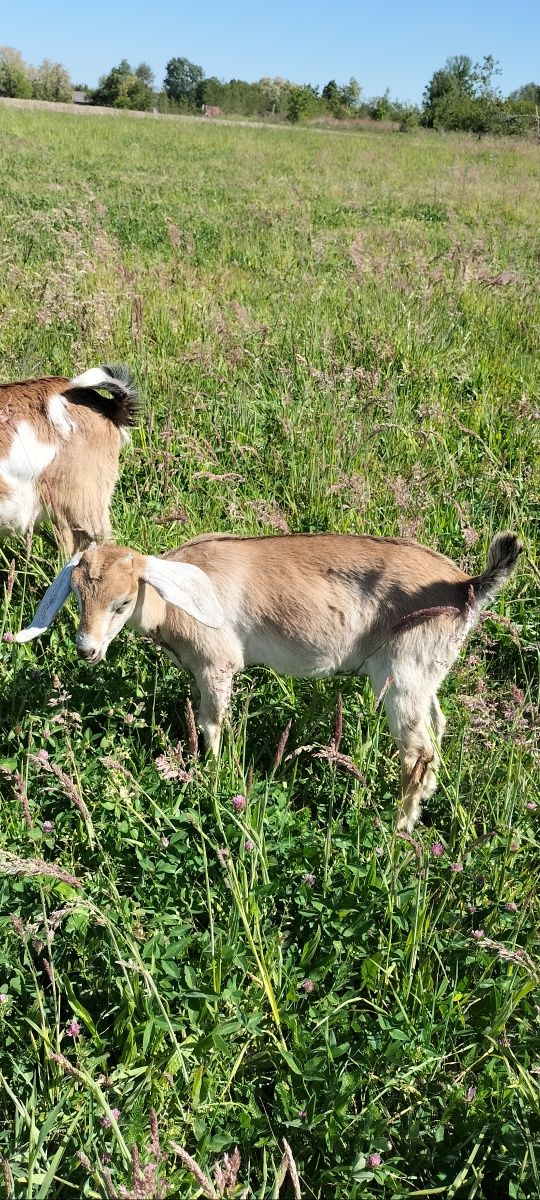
(461, 95)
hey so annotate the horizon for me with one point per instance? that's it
(301, 45)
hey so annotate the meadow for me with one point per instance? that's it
(330, 331)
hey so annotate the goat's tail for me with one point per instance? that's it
(503, 555)
(119, 382)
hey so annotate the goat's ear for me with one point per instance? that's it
(185, 586)
(55, 596)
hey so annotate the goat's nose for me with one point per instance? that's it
(87, 653)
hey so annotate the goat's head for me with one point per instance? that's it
(106, 581)
(105, 584)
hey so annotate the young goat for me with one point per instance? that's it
(306, 606)
(60, 444)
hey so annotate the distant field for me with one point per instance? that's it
(330, 333)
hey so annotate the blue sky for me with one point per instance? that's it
(392, 44)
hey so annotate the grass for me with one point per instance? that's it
(335, 332)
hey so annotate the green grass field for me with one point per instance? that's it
(331, 331)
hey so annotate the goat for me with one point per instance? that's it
(60, 444)
(305, 605)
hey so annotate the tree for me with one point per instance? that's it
(14, 74)
(302, 102)
(50, 81)
(332, 98)
(273, 93)
(350, 94)
(463, 96)
(483, 76)
(456, 78)
(380, 107)
(181, 80)
(146, 75)
(528, 93)
(330, 92)
(124, 87)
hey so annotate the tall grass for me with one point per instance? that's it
(335, 332)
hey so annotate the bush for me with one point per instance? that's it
(302, 103)
(409, 119)
(483, 114)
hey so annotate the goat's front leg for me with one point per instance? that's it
(215, 687)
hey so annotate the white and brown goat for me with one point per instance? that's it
(60, 442)
(306, 606)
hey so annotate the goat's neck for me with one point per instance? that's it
(149, 614)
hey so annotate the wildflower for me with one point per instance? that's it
(478, 933)
(42, 757)
(471, 908)
(373, 1160)
(301, 1114)
(471, 1093)
(238, 803)
(171, 767)
(248, 844)
(309, 879)
(456, 867)
(308, 986)
(531, 805)
(511, 906)
(106, 1121)
(48, 826)
(3, 998)
(437, 849)
(518, 695)
(164, 842)
(470, 536)
(73, 1028)
(514, 846)
(8, 636)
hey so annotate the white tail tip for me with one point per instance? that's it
(95, 377)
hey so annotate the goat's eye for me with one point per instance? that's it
(120, 608)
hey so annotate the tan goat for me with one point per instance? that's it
(60, 443)
(306, 606)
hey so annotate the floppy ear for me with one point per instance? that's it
(185, 586)
(55, 596)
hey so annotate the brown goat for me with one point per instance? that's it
(60, 442)
(306, 606)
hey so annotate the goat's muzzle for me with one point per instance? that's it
(86, 647)
(89, 655)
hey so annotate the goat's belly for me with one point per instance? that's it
(299, 662)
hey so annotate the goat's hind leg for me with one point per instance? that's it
(411, 716)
